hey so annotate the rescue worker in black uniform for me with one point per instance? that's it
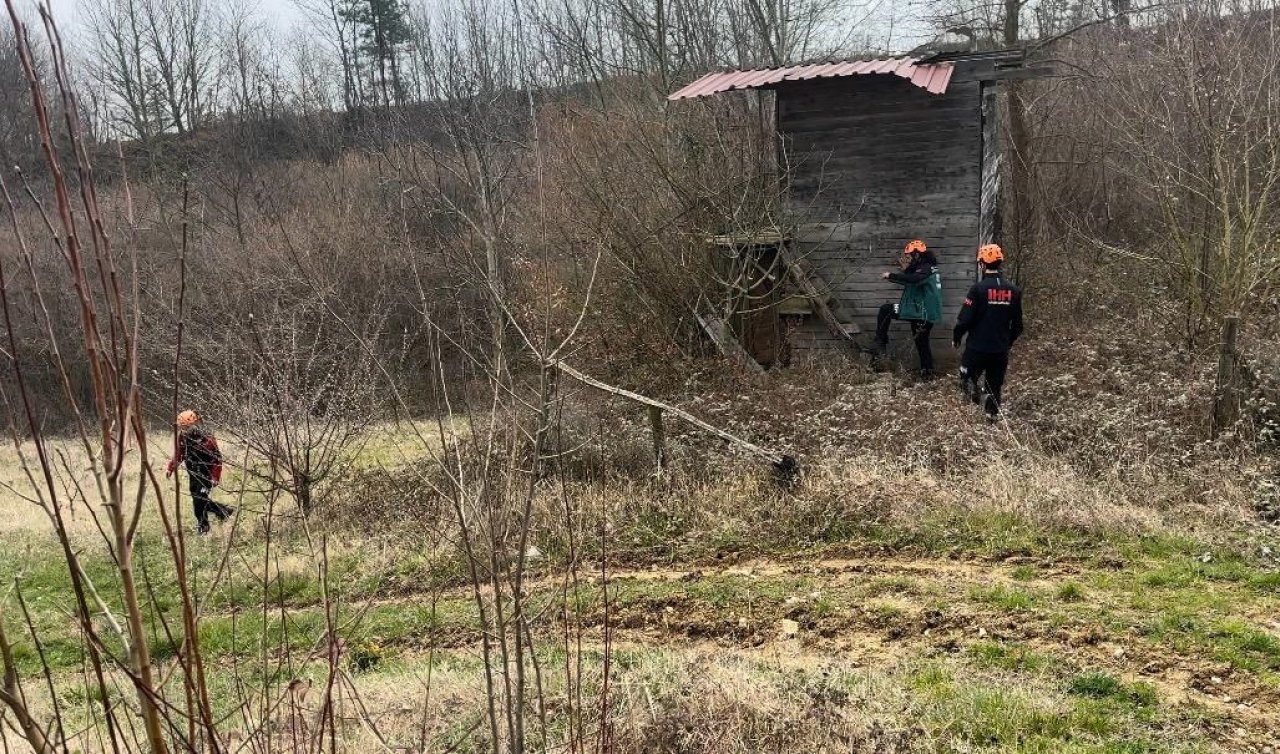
(198, 451)
(991, 320)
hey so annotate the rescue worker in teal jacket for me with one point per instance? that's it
(920, 304)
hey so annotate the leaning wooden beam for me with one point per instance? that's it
(784, 463)
(801, 278)
(729, 346)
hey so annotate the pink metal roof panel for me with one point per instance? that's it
(807, 72)
(886, 66)
(762, 78)
(940, 78)
(706, 85)
(932, 77)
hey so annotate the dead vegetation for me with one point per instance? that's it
(446, 542)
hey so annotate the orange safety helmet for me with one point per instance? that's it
(187, 419)
(990, 254)
(915, 246)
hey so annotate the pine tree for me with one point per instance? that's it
(383, 27)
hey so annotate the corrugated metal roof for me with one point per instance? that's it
(932, 77)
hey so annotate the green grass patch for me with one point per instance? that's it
(1015, 657)
(1265, 583)
(1071, 591)
(893, 585)
(1001, 718)
(1245, 646)
(1005, 598)
(1181, 572)
(1162, 546)
(1023, 573)
(1103, 686)
(822, 607)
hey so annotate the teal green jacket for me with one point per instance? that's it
(921, 293)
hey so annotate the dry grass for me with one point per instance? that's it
(711, 699)
(21, 513)
(895, 474)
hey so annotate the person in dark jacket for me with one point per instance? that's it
(990, 320)
(198, 451)
(920, 304)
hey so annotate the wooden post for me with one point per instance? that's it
(659, 438)
(1226, 394)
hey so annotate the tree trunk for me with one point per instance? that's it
(140, 652)
(302, 487)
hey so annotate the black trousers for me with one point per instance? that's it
(984, 370)
(920, 330)
(200, 486)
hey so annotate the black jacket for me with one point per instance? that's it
(991, 316)
(922, 266)
(199, 452)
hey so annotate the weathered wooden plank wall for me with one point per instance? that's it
(989, 220)
(875, 162)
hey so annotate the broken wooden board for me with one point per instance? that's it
(718, 330)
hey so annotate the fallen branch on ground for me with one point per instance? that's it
(783, 463)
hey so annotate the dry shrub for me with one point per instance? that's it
(724, 702)
(638, 189)
(607, 441)
(379, 500)
(995, 504)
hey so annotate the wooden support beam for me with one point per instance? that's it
(800, 276)
(1021, 74)
(769, 237)
(659, 438)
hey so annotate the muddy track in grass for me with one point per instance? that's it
(891, 625)
(880, 612)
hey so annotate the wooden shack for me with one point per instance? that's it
(875, 153)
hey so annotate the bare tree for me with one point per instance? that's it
(19, 144)
(180, 39)
(251, 64)
(337, 25)
(120, 62)
(156, 60)
(1198, 142)
(303, 398)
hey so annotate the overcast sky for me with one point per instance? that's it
(890, 23)
(283, 13)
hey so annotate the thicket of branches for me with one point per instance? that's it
(388, 143)
(427, 212)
